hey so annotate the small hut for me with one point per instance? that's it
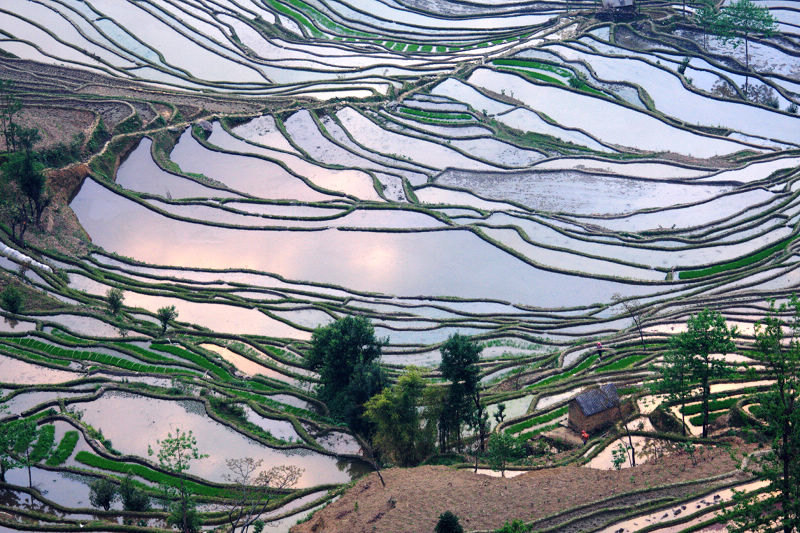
(594, 409)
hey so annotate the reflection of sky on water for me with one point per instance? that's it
(133, 422)
(454, 263)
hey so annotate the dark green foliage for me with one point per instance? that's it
(99, 136)
(459, 366)
(44, 444)
(12, 299)
(165, 315)
(62, 154)
(114, 298)
(516, 526)
(133, 498)
(346, 355)
(102, 493)
(780, 411)
(401, 433)
(706, 334)
(503, 447)
(64, 449)
(130, 124)
(448, 523)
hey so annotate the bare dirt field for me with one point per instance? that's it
(414, 498)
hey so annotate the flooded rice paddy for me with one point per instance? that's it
(514, 179)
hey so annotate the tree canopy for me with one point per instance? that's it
(346, 354)
(459, 366)
(706, 334)
(403, 435)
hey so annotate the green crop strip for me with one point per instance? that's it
(533, 64)
(297, 17)
(44, 443)
(625, 362)
(561, 411)
(154, 476)
(534, 75)
(435, 114)
(715, 405)
(552, 379)
(33, 356)
(744, 261)
(96, 357)
(698, 420)
(221, 373)
(64, 449)
(522, 437)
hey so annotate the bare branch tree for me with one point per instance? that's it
(634, 310)
(253, 490)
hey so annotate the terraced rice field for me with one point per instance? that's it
(520, 174)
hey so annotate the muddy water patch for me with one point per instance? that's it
(24, 373)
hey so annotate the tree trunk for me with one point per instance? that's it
(705, 406)
(747, 67)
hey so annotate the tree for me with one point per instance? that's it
(102, 493)
(114, 298)
(133, 498)
(402, 434)
(706, 334)
(12, 299)
(502, 449)
(674, 374)
(8, 459)
(346, 354)
(448, 523)
(634, 310)
(24, 433)
(165, 314)
(9, 106)
(252, 493)
(26, 173)
(175, 455)
(459, 366)
(780, 411)
(741, 19)
(706, 18)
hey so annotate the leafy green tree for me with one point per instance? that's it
(165, 315)
(133, 498)
(346, 354)
(12, 299)
(448, 523)
(741, 19)
(674, 380)
(515, 526)
(503, 448)
(102, 493)
(26, 173)
(24, 433)
(780, 410)
(8, 459)
(175, 455)
(706, 17)
(706, 333)
(402, 434)
(114, 299)
(459, 365)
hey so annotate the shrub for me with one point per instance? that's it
(792, 108)
(516, 526)
(448, 523)
(12, 300)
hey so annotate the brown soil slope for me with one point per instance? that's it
(414, 498)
